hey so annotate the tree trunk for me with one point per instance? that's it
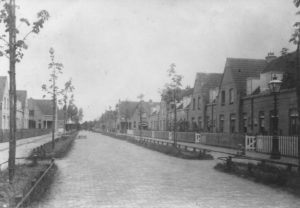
(54, 116)
(298, 98)
(12, 92)
(65, 117)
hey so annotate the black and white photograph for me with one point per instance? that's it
(149, 104)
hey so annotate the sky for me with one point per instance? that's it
(117, 49)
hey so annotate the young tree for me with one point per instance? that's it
(141, 98)
(13, 50)
(171, 94)
(52, 89)
(67, 99)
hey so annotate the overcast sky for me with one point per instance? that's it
(118, 49)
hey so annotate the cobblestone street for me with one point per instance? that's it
(104, 172)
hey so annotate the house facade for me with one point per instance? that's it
(142, 116)
(40, 113)
(205, 86)
(125, 110)
(258, 105)
(231, 91)
(4, 103)
(22, 110)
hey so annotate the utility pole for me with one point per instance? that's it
(12, 90)
(298, 96)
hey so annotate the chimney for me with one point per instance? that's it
(270, 57)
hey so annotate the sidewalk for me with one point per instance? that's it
(227, 151)
(24, 147)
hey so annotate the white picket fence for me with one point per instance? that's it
(288, 145)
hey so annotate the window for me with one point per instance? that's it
(231, 96)
(194, 124)
(261, 122)
(199, 102)
(194, 103)
(221, 123)
(245, 122)
(232, 123)
(293, 122)
(200, 122)
(134, 124)
(223, 97)
(31, 113)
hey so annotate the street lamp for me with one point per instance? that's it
(274, 86)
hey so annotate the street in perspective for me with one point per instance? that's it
(149, 104)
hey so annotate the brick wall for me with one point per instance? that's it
(265, 103)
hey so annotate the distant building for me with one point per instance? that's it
(205, 91)
(4, 103)
(142, 116)
(22, 110)
(125, 110)
(40, 114)
(182, 110)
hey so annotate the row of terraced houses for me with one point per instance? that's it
(31, 113)
(236, 101)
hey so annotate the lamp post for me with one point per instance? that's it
(274, 86)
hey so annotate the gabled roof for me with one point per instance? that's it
(241, 69)
(22, 96)
(186, 92)
(3, 81)
(127, 108)
(204, 82)
(147, 106)
(45, 106)
(212, 80)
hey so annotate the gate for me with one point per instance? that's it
(250, 143)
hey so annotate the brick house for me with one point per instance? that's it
(231, 91)
(21, 115)
(182, 110)
(258, 105)
(142, 116)
(154, 118)
(163, 116)
(4, 103)
(125, 110)
(40, 113)
(204, 86)
(23, 109)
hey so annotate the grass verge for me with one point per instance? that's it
(25, 177)
(274, 176)
(166, 149)
(62, 147)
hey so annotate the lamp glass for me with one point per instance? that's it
(274, 85)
